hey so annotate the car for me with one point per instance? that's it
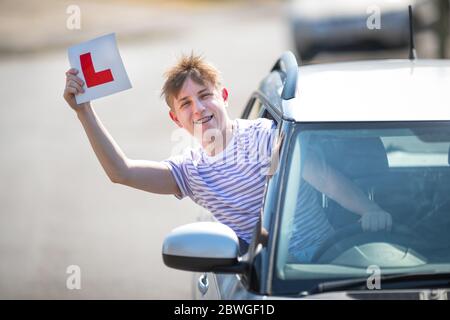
(357, 25)
(383, 124)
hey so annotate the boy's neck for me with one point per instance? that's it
(216, 147)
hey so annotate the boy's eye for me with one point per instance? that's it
(206, 95)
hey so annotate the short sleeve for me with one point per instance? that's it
(266, 138)
(178, 167)
(262, 136)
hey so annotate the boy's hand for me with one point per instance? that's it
(74, 86)
(376, 220)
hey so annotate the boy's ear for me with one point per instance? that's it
(174, 118)
(225, 94)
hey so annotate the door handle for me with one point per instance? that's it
(203, 284)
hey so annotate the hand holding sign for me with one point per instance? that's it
(101, 69)
(74, 86)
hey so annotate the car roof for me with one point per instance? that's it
(382, 90)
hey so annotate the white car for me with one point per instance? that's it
(385, 125)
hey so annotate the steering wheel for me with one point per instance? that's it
(353, 235)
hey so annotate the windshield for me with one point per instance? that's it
(365, 198)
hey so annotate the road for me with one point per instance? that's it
(58, 207)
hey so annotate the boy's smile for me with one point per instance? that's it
(204, 119)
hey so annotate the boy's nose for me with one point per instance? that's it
(198, 106)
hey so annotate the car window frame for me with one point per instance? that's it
(267, 111)
(305, 284)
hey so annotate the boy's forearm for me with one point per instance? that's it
(111, 157)
(349, 195)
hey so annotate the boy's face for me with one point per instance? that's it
(199, 108)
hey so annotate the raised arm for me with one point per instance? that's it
(341, 189)
(151, 176)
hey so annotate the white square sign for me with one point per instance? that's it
(100, 67)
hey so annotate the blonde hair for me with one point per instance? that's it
(193, 67)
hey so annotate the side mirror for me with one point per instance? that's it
(203, 247)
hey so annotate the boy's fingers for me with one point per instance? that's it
(72, 71)
(75, 78)
(75, 85)
(71, 90)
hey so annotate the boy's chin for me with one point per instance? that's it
(204, 128)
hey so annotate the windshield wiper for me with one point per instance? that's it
(442, 279)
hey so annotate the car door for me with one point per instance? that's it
(204, 286)
(207, 286)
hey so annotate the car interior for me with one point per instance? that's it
(417, 197)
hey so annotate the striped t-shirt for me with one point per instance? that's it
(230, 184)
(310, 226)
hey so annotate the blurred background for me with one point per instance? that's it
(58, 208)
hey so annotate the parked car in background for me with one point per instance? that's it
(351, 25)
(385, 125)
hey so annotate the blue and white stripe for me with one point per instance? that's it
(231, 184)
(310, 227)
